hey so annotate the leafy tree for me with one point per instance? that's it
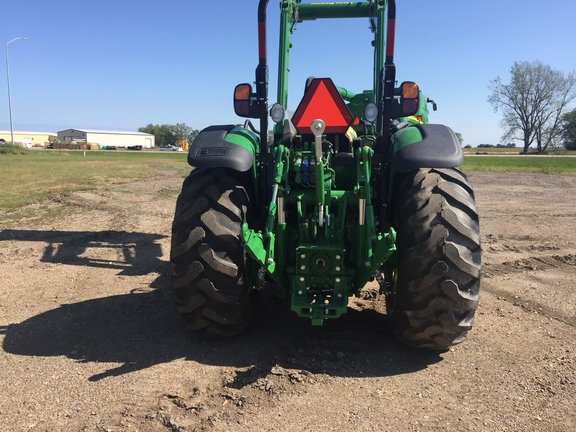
(167, 134)
(569, 130)
(161, 134)
(184, 132)
(533, 103)
(459, 136)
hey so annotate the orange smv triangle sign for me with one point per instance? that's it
(322, 101)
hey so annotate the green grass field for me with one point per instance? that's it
(32, 176)
(538, 164)
(35, 175)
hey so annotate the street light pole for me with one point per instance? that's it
(9, 96)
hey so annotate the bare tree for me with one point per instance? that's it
(569, 130)
(533, 103)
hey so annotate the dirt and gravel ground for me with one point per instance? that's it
(90, 339)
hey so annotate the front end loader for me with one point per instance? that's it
(350, 188)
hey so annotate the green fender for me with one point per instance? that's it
(426, 146)
(224, 146)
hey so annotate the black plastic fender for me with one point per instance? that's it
(426, 146)
(223, 146)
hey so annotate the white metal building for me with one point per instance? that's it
(107, 138)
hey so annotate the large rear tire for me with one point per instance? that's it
(437, 278)
(208, 264)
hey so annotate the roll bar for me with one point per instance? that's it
(312, 11)
(262, 76)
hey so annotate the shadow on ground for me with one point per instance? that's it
(142, 329)
(136, 253)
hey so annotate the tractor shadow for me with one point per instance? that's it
(141, 329)
(136, 253)
(358, 344)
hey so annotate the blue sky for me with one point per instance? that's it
(119, 65)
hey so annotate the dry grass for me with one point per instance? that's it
(38, 175)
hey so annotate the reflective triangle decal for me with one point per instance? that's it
(322, 101)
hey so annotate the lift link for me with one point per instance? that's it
(262, 246)
(317, 127)
(374, 248)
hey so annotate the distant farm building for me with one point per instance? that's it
(103, 138)
(28, 139)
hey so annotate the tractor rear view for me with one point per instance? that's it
(351, 188)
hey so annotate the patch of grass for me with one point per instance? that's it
(168, 193)
(36, 214)
(35, 176)
(514, 151)
(536, 164)
(38, 175)
(12, 150)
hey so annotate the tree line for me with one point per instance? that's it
(535, 106)
(168, 134)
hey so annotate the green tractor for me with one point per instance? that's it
(349, 189)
